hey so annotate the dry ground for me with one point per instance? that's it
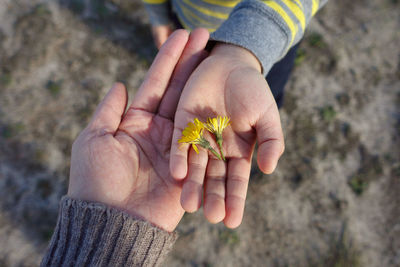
(335, 198)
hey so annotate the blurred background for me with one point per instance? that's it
(335, 197)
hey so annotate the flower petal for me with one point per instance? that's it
(195, 148)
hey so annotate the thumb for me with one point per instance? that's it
(109, 113)
(270, 140)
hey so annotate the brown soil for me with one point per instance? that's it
(334, 199)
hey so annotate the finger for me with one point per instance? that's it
(270, 140)
(178, 157)
(236, 190)
(157, 79)
(193, 184)
(109, 113)
(193, 54)
(214, 191)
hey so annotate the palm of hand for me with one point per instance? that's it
(221, 86)
(156, 195)
(121, 159)
(130, 170)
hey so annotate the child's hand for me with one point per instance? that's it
(160, 34)
(228, 83)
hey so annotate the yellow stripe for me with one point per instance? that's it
(285, 16)
(299, 4)
(222, 3)
(314, 8)
(297, 12)
(184, 24)
(154, 2)
(189, 14)
(206, 11)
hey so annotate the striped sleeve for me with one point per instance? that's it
(267, 28)
(159, 11)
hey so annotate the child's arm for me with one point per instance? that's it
(267, 28)
(230, 82)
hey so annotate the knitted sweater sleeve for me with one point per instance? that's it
(93, 234)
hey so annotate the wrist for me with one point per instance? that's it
(237, 53)
(135, 208)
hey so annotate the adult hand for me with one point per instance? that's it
(160, 34)
(121, 159)
(228, 83)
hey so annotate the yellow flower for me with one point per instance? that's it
(217, 125)
(193, 134)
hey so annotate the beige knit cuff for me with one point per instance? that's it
(93, 234)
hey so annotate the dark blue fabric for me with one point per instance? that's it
(280, 73)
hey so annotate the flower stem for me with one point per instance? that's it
(219, 141)
(214, 152)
